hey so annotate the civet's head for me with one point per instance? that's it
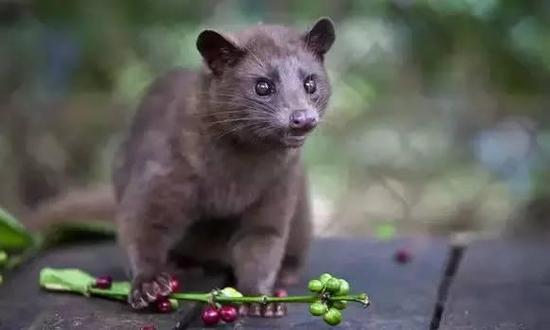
(268, 84)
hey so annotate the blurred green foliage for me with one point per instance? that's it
(13, 236)
(424, 92)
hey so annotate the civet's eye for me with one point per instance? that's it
(309, 85)
(264, 87)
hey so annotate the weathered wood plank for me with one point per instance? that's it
(23, 305)
(500, 285)
(403, 296)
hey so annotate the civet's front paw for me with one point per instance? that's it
(147, 288)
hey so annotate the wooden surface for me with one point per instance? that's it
(494, 285)
(501, 285)
(23, 305)
(403, 295)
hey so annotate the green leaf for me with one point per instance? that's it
(13, 236)
(71, 280)
(77, 281)
(118, 290)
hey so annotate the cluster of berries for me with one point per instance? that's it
(326, 287)
(214, 313)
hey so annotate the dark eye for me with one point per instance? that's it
(309, 85)
(264, 87)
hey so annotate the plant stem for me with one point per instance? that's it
(203, 297)
(361, 298)
(210, 297)
(107, 293)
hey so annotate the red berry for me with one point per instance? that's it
(210, 316)
(402, 256)
(148, 327)
(228, 313)
(164, 305)
(174, 284)
(103, 282)
(280, 293)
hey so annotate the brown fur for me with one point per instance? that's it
(94, 203)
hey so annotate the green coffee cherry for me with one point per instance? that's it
(315, 286)
(174, 303)
(340, 304)
(332, 285)
(333, 317)
(318, 308)
(344, 288)
(325, 277)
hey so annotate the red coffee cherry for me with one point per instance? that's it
(402, 256)
(164, 305)
(103, 282)
(228, 313)
(210, 316)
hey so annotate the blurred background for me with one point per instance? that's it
(439, 120)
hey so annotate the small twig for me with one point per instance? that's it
(208, 298)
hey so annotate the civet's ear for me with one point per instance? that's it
(321, 37)
(218, 51)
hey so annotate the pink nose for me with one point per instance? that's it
(303, 120)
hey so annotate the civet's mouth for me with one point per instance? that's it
(294, 141)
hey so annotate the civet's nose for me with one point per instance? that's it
(303, 120)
